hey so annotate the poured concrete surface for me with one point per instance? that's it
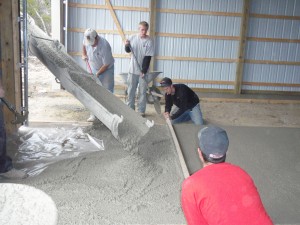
(270, 155)
(23, 204)
(112, 186)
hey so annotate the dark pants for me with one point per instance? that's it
(5, 161)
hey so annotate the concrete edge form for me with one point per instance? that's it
(178, 149)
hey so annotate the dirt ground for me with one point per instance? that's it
(49, 103)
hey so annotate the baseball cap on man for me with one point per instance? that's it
(90, 36)
(166, 82)
(213, 142)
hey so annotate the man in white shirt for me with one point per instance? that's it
(97, 51)
(143, 48)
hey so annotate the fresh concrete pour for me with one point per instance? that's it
(114, 186)
(136, 180)
(270, 155)
(123, 122)
(142, 184)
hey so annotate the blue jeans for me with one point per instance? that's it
(133, 81)
(195, 115)
(5, 161)
(107, 78)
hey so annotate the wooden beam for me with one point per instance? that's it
(114, 55)
(115, 18)
(195, 59)
(204, 59)
(268, 16)
(270, 84)
(251, 100)
(193, 12)
(273, 40)
(80, 30)
(152, 30)
(170, 58)
(17, 54)
(97, 6)
(8, 48)
(213, 90)
(253, 61)
(261, 92)
(198, 12)
(242, 46)
(199, 36)
(196, 36)
(218, 82)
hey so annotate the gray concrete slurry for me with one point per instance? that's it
(270, 155)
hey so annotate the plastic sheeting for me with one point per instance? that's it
(41, 147)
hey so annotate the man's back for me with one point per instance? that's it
(222, 194)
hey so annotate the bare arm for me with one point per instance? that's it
(84, 54)
(102, 69)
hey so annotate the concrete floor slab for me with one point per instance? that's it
(270, 155)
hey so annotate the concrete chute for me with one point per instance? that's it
(125, 124)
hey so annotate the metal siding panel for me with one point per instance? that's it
(271, 74)
(167, 68)
(125, 23)
(297, 56)
(189, 5)
(296, 11)
(272, 51)
(295, 31)
(202, 24)
(202, 47)
(276, 7)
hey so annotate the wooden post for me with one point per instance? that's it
(152, 28)
(242, 45)
(115, 18)
(17, 54)
(10, 58)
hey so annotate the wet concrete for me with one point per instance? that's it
(270, 155)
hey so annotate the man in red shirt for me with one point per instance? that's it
(220, 193)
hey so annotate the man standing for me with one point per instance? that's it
(220, 193)
(97, 51)
(6, 167)
(143, 49)
(186, 101)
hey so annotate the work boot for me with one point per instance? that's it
(142, 114)
(92, 118)
(14, 174)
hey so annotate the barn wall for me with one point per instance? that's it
(197, 42)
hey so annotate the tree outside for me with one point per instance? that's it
(40, 11)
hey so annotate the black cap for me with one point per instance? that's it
(166, 82)
(213, 142)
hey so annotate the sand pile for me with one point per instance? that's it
(115, 186)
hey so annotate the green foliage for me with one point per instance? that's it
(40, 11)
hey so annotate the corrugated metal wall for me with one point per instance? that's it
(198, 48)
(197, 42)
(279, 48)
